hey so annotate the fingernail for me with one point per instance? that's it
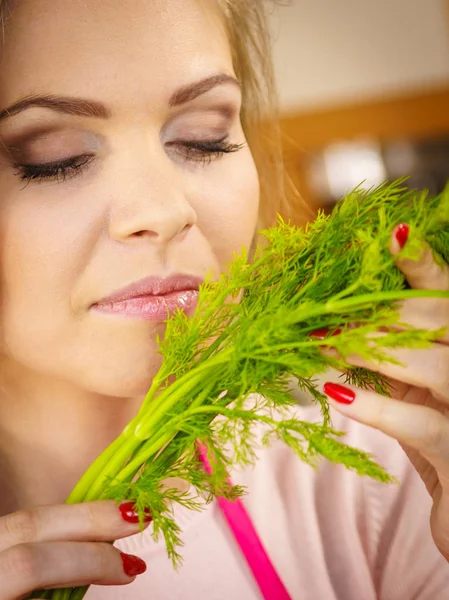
(320, 334)
(401, 234)
(133, 565)
(339, 393)
(130, 515)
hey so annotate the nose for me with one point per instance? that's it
(150, 203)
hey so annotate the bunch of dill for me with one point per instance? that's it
(230, 366)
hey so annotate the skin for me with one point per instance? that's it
(417, 414)
(71, 378)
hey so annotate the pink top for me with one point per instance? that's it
(330, 534)
(240, 523)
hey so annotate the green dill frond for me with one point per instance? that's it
(228, 370)
(337, 273)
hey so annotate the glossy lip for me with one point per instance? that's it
(153, 286)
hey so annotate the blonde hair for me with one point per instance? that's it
(247, 28)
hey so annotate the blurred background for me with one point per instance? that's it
(364, 93)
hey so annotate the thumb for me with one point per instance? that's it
(426, 272)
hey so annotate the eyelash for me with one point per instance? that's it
(203, 152)
(207, 151)
(59, 171)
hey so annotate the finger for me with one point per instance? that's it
(90, 521)
(425, 273)
(415, 425)
(52, 565)
(422, 367)
(425, 313)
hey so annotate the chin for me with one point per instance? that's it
(121, 388)
(122, 381)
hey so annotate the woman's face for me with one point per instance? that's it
(117, 174)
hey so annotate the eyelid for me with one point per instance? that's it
(56, 170)
(51, 144)
(63, 161)
(194, 123)
(225, 99)
(210, 140)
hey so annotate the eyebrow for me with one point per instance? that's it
(90, 108)
(193, 90)
(70, 106)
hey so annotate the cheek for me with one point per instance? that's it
(41, 254)
(227, 206)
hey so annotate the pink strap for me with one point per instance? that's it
(245, 533)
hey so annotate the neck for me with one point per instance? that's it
(50, 433)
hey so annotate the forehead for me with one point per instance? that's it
(75, 46)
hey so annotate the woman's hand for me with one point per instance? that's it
(418, 413)
(65, 545)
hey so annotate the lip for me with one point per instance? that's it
(153, 286)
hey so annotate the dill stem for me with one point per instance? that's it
(78, 593)
(112, 459)
(178, 391)
(152, 446)
(82, 488)
(144, 427)
(109, 463)
(357, 302)
(368, 299)
(155, 385)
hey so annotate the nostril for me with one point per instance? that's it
(144, 232)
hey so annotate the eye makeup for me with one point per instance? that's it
(56, 151)
(50, 145)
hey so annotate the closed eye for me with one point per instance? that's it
(58, 170)
(205, 151)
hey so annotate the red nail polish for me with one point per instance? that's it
(133, 565)
(339, 393)
(320, 334)
(129, 514)
(401, 234)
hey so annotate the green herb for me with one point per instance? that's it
(236, 357)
